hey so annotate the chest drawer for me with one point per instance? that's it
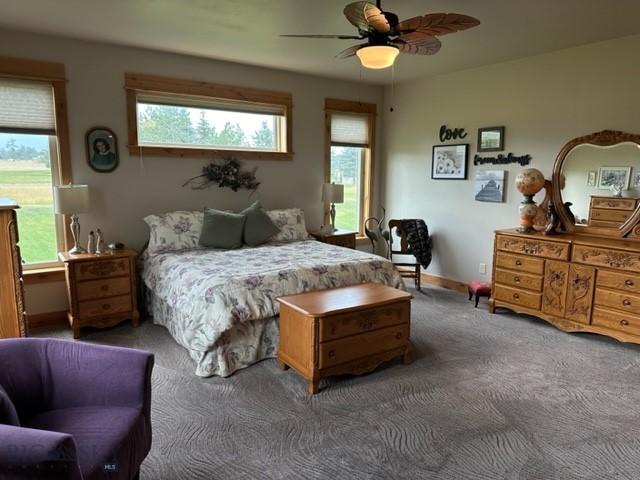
(95, 308)
(337, 326)
(101, 269)
(110, 287)
(518, 279)
(534, 247)
(616, 320)
(349, 348)
(618, 300)
(615, 203)
(518, 297)
(606, 257)
(520, 263)
(625, 282)
(610, 215)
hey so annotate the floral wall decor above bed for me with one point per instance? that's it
(224, 174)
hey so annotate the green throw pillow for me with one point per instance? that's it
(221, 229)
(258, 227)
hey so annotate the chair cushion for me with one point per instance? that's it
(478, 287)
(258, 227)
(106, 438)
(8, 414)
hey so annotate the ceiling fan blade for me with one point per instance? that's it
(366, 16)
(437, 24)
(351, 51)
(341, 37)
(417, 43)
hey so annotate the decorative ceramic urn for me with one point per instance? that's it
(528, 182)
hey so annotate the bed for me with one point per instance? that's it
(221, 304)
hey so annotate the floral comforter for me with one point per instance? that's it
(210, 292)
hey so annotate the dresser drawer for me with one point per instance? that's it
(92, 289)
(604, 224)
(101, 269)
(606, 257)
(95, 308)
(342, 325)
(616, 320)
(618, 300)
(610, 215)
(518, 279)
(347, 241)
(518, 297)
(520, 263)
(625, 282)
(537, 248)
(345, 349)
(615, 203)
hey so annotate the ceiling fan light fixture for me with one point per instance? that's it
(377, 56)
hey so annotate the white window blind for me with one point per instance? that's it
(26, 107)
(349, 130)
(210, 104)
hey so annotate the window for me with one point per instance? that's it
(184, 118)
(34, 153)
(350, 128)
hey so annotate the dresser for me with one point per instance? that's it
(101, 289)
(343, 330)
(12, 316)
(610, 212)
(575, 282)
(341, 238)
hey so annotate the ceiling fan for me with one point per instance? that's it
(386, 37)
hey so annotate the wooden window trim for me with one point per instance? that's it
(135, 82)
(54, 73)
(332, 105)
(43, 275)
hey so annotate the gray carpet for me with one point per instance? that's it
(488, 397)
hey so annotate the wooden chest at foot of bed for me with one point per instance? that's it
(343, 330)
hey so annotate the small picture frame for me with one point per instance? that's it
(635, 180)
(609, 176)
(449, 162)
(489, 186)
(491, 139)
(592, 178)
(102, 149)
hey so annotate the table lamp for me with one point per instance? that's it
(71, 200)
(333, 193)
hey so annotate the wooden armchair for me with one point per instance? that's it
(395, 228)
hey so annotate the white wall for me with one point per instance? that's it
(138, 187)
(543, 101)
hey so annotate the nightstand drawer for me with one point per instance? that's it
(111, 287)
(347, 241)
(95, 308)
(103, 268)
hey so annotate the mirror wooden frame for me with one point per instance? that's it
(605, 138)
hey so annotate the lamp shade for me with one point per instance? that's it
(377, 56)
(71, 199)
(332, 193)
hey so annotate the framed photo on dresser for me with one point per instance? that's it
(449, 162)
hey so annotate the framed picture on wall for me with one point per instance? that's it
(610, 176)
(592, 178)
(489, 186)
(491, 139)
(102, 149)
(449, 162)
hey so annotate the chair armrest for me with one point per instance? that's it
(84, 374)
(38, 454)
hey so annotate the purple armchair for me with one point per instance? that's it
(73, 410)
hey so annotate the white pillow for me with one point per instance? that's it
(291, 224)
(174, 231)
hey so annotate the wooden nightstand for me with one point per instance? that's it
(101, 289)
(341, 238)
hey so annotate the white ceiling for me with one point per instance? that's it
(247, 31)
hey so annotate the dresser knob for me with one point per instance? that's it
(398, 336)
(628, 282)
(106, 306)
(104, 288)
(624, 322)
(518, 263)
(516, 296)
(626, 302)
(516, 279)
(332, 353)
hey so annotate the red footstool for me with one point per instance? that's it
(479, 289)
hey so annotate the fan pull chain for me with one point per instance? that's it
(393, 79)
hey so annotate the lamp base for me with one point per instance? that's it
(76, 250)
(332, 215)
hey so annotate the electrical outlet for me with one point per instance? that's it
(483, 268)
